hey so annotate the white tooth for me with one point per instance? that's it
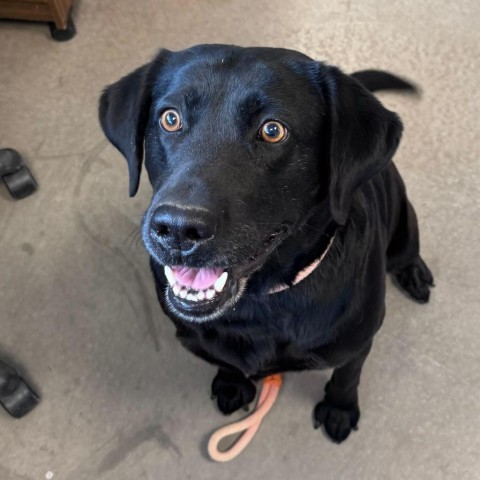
(176, 289)
(221, 281)
(210, 293)
(183, 293)
(192, 297)
(201, 295)
(170, 275)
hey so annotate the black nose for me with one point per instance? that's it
(182, 227)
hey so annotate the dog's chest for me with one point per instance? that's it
(261, 341)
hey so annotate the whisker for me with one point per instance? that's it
(133, 238)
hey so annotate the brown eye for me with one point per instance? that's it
(273, 132)
(170, 120)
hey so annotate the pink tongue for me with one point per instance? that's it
(197, 278)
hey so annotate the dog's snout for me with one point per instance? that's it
(182, 227)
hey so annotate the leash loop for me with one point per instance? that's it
(270, 388)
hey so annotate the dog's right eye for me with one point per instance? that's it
(273, 132)
(170, 120)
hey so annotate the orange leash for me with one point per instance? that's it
(268, 395)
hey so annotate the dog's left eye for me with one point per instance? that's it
(170, 120)
(273, 132)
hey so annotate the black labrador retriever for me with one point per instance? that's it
(276, 212)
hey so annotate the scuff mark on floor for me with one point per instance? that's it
(129, 443)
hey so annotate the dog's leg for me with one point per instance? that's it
(232, 390)
(403, 257)
(339, 411)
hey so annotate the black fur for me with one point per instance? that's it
(273, 209)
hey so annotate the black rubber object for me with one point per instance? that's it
(20, 184)
(15, 174)
(63, 35)
(15, 395)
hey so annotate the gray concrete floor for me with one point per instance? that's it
(121, 398)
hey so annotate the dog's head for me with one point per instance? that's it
(242, 147)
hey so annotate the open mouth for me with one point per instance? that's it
(200, 294)
(196, 284)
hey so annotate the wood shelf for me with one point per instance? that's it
(56, 11)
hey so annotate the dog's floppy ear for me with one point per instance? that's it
(363, 138)
(123, 112)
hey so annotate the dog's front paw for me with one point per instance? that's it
(232, 391)
(416, 279)
(338, 422)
